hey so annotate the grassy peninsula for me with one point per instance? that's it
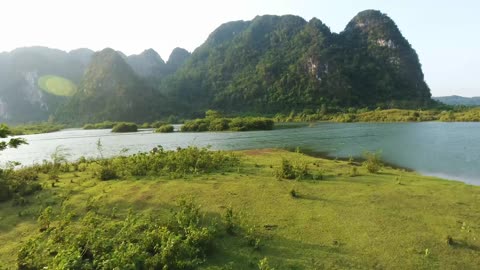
(255, 209)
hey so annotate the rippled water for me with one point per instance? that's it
(449, 150)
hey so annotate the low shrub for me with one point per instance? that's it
(125, 127)
(372, 162)
(287, 170)
(107, 173)
(165, 129)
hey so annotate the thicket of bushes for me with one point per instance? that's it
(183, 161)
(136, 242)
(16, 184)
(215, 122)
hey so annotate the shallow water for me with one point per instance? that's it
(448, 150)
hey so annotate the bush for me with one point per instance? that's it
(220, 124)
(372, 162)
(106, 173)
(165, 129)
(198, 125)
(18, 183)
(251, 123)
(291, 171)
(125, 127)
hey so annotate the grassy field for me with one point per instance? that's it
(390, 220)
(57, 86)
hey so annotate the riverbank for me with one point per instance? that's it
(382, 116)
(347, 116)
(334, 218)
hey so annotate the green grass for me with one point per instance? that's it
(371, 221)
(57, 86)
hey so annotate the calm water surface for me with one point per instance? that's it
(448, 150)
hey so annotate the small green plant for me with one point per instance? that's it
(294, 193)
(229, 221)
(253, 238)
(354, 172)
(263, 264)
(372, 161)
(45, 218)
(287, 170)
(449, 240)
(59, 156)
(99, 149)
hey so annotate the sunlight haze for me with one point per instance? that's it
(442, 32)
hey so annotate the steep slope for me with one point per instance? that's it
(148, 64)
(82, 55)
(110, 90)
(384, 65)
(177, 59)
(280, 63)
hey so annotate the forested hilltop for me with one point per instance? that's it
(272, 64)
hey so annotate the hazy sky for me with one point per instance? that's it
(444, 33)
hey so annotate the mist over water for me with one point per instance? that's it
(447, 150)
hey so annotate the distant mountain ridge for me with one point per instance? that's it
(458, 100)
(271, 64)
(21, 98)
(111, 90)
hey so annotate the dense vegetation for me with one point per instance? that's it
(253, 209)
